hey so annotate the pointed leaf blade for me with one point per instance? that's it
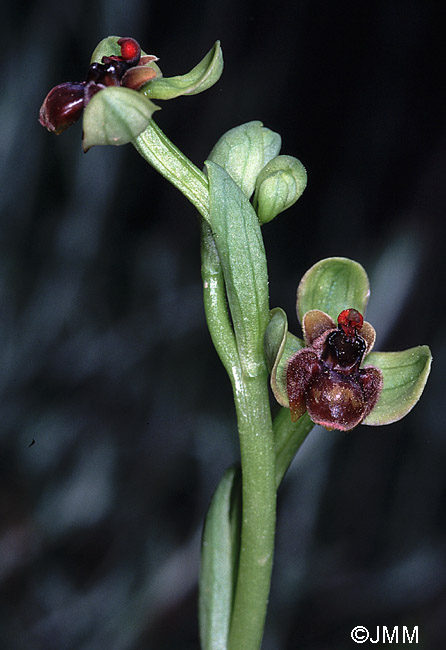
(237, 235)
(204, 75)
(219, 558)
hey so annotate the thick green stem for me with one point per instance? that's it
(257, 458)
(259, 512)
(171, 163)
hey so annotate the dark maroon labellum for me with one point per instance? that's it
(62, 106)
(326, 380)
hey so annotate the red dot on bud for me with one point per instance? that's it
(350, 321)
(130, 48)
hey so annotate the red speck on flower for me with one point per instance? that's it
(130, 49)
(350, 321)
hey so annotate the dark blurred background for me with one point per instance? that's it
(105, 358)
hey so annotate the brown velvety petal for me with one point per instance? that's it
(301, 370)
(136, 77)
(369, 335)
(147, 58)
(62, 106)
(315, 323)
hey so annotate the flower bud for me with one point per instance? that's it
(279, 185)
(243, 151)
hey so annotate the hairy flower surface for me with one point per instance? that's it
(333, 373)
(325, 378)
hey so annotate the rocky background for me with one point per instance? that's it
(106, 364)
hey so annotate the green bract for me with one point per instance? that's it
(116, 116)
(278, 186)
(200, 78)
(331, 286)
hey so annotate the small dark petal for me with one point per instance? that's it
(62, 106)
(343, 353)
(147, 58)
(335, 401)
(137, 77)
(95, 72)
(113, 72)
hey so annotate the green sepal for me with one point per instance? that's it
(115, 116)
(331, 285)
(239, 243)
(219, 560)
(404, 377)
(243, 151)
(200, 78)
(278, 186)
(109, 47)
(280, 346)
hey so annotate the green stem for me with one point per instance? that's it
(257, 459)
(259, 512)
(171, 163)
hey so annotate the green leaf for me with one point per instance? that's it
(199, 79)
(115, 116)
(219, 560)
(243, 151)
(405, 374)
(331, 285)
(278, 186)
(239, 243)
